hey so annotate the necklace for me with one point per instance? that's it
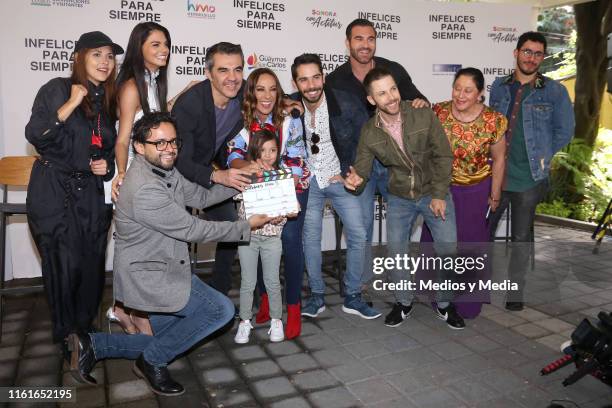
(469, 119)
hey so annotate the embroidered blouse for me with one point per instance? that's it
(471, 142)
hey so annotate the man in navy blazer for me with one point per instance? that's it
(208, 116)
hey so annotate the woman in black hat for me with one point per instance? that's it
(72, 128)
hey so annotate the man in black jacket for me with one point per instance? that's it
(208, 116)
(361, 43)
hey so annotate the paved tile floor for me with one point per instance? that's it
(344, 361)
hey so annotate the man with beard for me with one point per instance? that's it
(332, 121)
(151, 264)
(361, 43)
(412, 145)
(540, 123)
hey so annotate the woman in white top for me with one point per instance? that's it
(142, 87)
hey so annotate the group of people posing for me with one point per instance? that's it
(361, 129)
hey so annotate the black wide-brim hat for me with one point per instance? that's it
(95, 39)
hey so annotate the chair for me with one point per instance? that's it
(14, 171)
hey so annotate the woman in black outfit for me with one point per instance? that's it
(73, 129)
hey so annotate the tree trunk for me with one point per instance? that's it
(593, 24)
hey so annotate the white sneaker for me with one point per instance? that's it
(276, 331)
(244, 331)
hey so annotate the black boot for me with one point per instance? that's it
(158, 378)
(514, 306)
(82, 358)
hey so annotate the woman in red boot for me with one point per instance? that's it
(263, 109)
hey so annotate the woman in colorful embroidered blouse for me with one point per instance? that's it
(263, 109)
(474, 131)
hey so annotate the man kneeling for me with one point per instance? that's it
(151, 267)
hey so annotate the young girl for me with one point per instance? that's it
(264, 148)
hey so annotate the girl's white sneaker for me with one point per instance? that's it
(244, 331)
(276, 331)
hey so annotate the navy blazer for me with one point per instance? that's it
(197, 128)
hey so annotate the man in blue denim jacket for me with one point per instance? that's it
(540, 123)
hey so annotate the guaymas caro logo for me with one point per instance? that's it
(266, 61)
(252, 61)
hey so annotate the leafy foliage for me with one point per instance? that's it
(567, 65)
(581, 180)
(556, 20)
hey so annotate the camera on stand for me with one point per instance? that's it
(590, 350)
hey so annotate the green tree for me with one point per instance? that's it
(593, 24)
(556, 20)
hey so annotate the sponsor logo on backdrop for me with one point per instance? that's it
(188, 60)
(134, 11)
(451, 26)
(50, 54)
(324, 19)
(60, 3)
(260, 15)
(252, 61)
(445, 69)
(201, 10)
(383, 23)
(503, 34)
(331, 61)
(255, 60)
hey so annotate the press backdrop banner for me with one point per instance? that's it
(430, 39)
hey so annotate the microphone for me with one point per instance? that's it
(95, 153)
(295, 113)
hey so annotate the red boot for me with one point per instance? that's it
(263, 315)
(293, 328)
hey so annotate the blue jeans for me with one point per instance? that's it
(401, 214)
(206, 311)
(379, 179)
(293, 248)
(348, 208)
